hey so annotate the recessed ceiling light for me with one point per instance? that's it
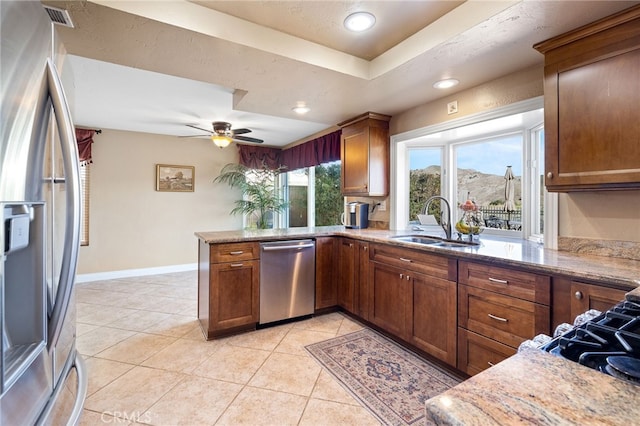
(445, 84)
(301, 109)
(359, 21)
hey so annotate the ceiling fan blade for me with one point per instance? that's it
(240, 131)
(248, 139)
(199, 128)
(196, 136)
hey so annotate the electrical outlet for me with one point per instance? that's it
(452, 107)
(382, 206)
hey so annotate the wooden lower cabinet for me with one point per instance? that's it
(498, 309)
(234, 300)
(228, 291)
(353, 288)
(572, 298)
(433, 316)
(389, 292)
(588, 296)
(477, 353)
(347, 273)
(502, 318)
(407, 299)
(362, 288)
(326, 272)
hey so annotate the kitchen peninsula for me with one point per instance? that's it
(543, 291)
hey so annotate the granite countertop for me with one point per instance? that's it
(503, 251)
(535, 387)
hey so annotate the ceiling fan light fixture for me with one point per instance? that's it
(221, 141)
(446, 83)
(359, 21)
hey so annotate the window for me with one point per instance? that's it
(313, 195)
(470, 159)
(480, 168)
(85, 174)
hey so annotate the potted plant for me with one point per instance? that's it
(259, 196)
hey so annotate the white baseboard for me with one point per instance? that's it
(99, 276)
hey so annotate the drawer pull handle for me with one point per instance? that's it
(498, 318)
(496, 280)
(236, 253)
(404, 259)
(401, 276)
(490, 363)
(236, 265)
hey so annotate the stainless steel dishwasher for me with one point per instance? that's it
(287, 279)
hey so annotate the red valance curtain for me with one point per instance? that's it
(258, 157)
(324, 149)
(84, 138)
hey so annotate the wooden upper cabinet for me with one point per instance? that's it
(592, 93)
(365, 155)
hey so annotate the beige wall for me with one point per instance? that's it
(603, 215)
(609, 215)
(132, 226)
(519, 86)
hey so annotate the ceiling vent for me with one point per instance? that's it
(59, 16)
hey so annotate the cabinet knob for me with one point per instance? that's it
(550, 175)
(578, 295)
(365, 248)
(401, 276)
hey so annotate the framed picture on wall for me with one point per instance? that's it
(171, 178)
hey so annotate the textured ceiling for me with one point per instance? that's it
(155, 66)
(322, 21)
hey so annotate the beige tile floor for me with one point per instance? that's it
(148, 362)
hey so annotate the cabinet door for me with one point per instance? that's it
(587, 296)
(347, 271)
(477, 353)
(326, 272)
(355, 160)
(433, 325)
(389, 290)
(592, 92)
(234, 298)
(607, 92)
(362, 282)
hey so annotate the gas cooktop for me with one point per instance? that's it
(609, 343)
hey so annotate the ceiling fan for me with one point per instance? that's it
(222, 134)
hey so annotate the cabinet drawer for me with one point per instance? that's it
(234, 252)
(413, 260)
(523, 285)
(505, 319)
(477, 353)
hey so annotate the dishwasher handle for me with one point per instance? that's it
(276, 248)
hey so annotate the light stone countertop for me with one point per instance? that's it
(518, 253)
(537, 388)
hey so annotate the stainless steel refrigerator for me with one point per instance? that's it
(42, 377)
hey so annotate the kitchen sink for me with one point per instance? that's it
(434, 241)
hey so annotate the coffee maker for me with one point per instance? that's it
(356, 215)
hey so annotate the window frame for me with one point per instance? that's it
(400, 143)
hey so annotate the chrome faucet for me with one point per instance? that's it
(445, 225)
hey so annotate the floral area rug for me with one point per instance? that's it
(390, 381)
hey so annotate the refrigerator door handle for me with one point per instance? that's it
(81, 393)
(69, 150)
